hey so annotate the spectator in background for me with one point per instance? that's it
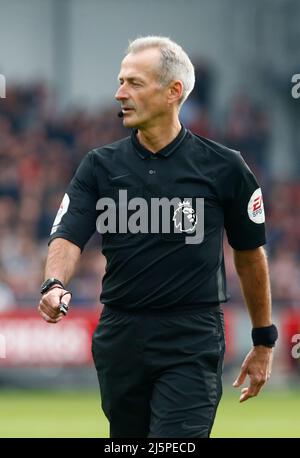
(247, 131)
(285, 276)
(196, 112)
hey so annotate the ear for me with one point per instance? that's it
(175, 91)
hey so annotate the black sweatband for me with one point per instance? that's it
(266, 336)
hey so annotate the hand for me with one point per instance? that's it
(49, 304)
(258, 365)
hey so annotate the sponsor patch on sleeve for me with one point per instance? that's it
(256, 207)
(61, 212)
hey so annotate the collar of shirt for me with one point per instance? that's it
(144, 153)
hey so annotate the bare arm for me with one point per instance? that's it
(252, 269)
(62, 260)
(61, 263)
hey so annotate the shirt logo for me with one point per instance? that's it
(256, 211)
(61, 212)
(184, 217)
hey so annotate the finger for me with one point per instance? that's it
(241, 378)
(58, 303)
(55, 297)
(69, 296)
(254, 390)
(246, 394)
(258, 388)
(251, 391)
(51, 310)
(47, 318)
(262, 382)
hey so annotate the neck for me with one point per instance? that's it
(155, 138)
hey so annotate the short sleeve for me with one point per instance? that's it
(76, 218)
(244, 216)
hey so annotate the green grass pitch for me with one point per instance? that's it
(78, 414)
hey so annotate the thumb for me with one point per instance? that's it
(64, 302)
(65, 297)
(241, 378)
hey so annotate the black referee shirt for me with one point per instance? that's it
(151, 265)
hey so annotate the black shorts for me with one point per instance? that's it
(160, 374)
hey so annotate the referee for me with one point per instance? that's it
(161, 199)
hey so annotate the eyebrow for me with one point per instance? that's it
(131, 78)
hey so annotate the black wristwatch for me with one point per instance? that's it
(49, 283)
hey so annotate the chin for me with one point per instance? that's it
(135, 122)
(132, 123)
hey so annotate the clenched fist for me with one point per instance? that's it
(49, 306)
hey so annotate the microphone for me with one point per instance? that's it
(120, 114)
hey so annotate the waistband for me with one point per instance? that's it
(182, 310)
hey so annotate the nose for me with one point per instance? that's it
(121, 94)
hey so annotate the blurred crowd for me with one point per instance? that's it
(41, 147)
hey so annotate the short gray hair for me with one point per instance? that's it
(175, 63)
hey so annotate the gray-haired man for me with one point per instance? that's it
(159, 346)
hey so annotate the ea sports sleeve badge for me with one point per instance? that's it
(256, 211)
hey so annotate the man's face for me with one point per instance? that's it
(143, 99)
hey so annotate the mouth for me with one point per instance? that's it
(126, 110)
